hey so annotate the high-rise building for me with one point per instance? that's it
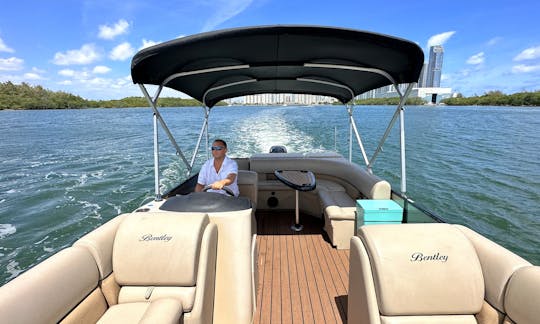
(423, 76)
(434, 68)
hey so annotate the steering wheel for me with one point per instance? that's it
(226, 189)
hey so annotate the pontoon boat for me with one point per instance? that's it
(312, 238)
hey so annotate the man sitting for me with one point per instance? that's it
(219, 171)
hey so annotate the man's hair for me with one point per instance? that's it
(221, 141)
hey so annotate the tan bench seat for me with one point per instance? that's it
(140, 267)
(339, 209)
(437, 273)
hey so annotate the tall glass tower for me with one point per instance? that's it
(434, 67)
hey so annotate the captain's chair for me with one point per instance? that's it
(247, 184)
(427, 273)
(163, 268)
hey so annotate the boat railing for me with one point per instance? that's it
(414, 212)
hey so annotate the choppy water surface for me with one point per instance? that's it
(65, 172)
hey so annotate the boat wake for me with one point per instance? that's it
(258, 133)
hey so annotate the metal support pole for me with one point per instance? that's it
(207, 115)
(350, 140)
(297, 227)
(403, 99)
(357, 134)
(156, 160)
(203, 129)
(153, 105)
(402, 148)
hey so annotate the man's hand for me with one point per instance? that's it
(218, 185)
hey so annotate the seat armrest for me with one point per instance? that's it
(498, 265)
(523, 294)
(100, 244)
(165, 310)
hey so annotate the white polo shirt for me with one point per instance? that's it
(208, 174)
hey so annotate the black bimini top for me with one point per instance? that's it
(336, 62)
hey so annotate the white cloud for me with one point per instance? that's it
(5, 48)
(32, 76)
(440, 39)
(147, 43)
(86, 55)
(494, 41)
(106, 32)
(101, 69)
(39, 71)
(122, 52)
(476, 59)
(522, 68)
(528, 54)
(75, 75)
(224, 10)
(11, 64)
(66, 73)
(66, 82)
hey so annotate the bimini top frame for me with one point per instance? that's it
(336, 62)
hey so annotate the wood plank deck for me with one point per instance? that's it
(302, 278)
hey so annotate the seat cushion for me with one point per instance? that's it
(165, 310)
(337, 205)
(158, 249)
(124, 313)
(522, 298)
(131, 294)
(51, 289)
(423, 269)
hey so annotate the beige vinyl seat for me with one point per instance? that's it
(163, 263)
(248, 186)
(136, 268)
(522, 298)
(432, 273)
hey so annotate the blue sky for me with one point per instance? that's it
(85, 47)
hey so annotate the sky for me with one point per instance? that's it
(85, 47)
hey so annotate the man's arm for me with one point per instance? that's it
(199, 187)
(223, 183)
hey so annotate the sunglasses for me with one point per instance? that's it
(217, 148)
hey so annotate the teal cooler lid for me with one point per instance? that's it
(379, 210)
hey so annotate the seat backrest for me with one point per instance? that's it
(157, 255)
(248, 186)
(369, 185)
(498, 266)
(158, 249)
(425, 273)
(522, 298)
(49, 291)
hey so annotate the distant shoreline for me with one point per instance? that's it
(27, 97)
(300, 106)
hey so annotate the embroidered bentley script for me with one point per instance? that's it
(419, 256)
(150, 237)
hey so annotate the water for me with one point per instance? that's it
(65, 172)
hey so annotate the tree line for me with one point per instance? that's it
(25, 96)
(497, 98)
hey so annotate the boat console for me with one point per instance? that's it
(206, 202)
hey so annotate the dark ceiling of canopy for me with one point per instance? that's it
(276, 58)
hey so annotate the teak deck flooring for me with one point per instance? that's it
(302, 278)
